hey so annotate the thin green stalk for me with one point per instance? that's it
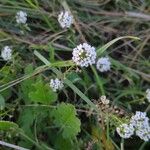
(117, 147)
(142, 146)
(122, 144)
(107, 118)
(148, 108)
(99, 82)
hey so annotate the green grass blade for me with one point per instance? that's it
(106, 46)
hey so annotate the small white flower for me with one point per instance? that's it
(21, 17)
(125, 130)
(139, 119)
(148, 95)
(56, 84)
(104, 100)
(103, 64)
(84, 55)
(143, 132)
(141, 124)
(65, 19)
(138, 123)
(6, 53)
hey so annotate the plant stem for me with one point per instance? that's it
(12, 146)
(98, 80)
(122, 144)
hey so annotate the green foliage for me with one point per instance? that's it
(32, 122)
(26, 97)
(66, 144)
(26, 86)
(42, 93)
(26, 119)
(65, 118)
(6, 76)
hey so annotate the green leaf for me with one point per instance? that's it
(42, 93)
(2, 102)
(26, 119)
(74, 77)
(7, 125)
(65, 118)
(61, 143)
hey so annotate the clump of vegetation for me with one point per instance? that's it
(74, 74)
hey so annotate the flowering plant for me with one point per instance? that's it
(68, 80)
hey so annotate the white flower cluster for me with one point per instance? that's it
(144, 133)
(148, 95)
(138, 123)
(56, 84)
(103, 64)
(65, 19)
(21, 17)
(125, 130)
(139, 119)
(104, 100)
(141, 124)
(6, 53)
(84, 55)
